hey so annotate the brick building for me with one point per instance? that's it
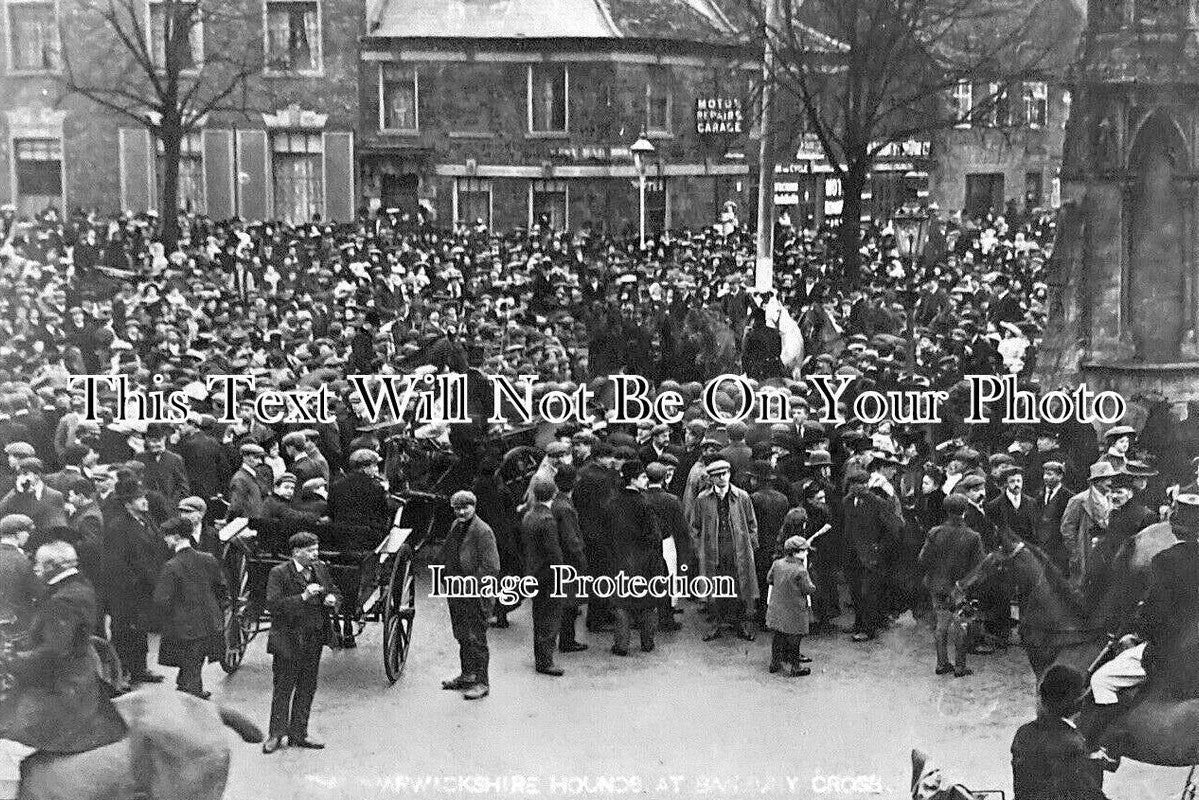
(287, 154)
(515, 110)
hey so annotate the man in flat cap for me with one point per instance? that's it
(278, 504)
(19, 586)
(33, 498)
(676, 539)
(470, 551)
(192, 510)
(637, 552)
(164, 471)
(14, 452)
(358, 501)
(246, 493)
(724, 529)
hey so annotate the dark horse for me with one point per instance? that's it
(1056, 627)
(715, 341)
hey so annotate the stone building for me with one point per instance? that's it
(514, 111)
(286, 153)
(1127, 257)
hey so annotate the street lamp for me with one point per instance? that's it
(911, 225)
(642, 149)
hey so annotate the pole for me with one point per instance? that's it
(641, 205)
(764, 269)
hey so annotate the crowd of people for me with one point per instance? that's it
(795, 512)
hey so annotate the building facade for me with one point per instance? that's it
(285, 152)
(517, 112)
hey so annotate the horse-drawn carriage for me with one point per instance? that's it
(375, 571)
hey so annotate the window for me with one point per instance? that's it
(962, 103)
(658, 100)
(1036, 103)
(39, 167)
(191, 172)
(398, 97)
(32, 36)
(547, 98)
(472, 201)
(293, 36)
(185, 29)
(297, 167)
(547, 204)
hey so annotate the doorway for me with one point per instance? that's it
(400, 192)
(984, 194)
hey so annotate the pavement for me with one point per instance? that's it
(690, 720)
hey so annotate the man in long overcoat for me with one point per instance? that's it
(1085, 518)
(725, 530)
(470, 551)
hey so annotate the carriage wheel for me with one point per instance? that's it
(517, 469)
(399, 612)
(239, 624)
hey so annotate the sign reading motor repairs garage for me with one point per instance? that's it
(718, 115)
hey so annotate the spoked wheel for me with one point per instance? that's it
(239, 624)
(399, 612)
(517, 469)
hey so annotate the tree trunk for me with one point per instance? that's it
(168, 203)
(853, 183)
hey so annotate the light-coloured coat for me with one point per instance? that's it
(1085, 518)
(790, 586)
(705, 531)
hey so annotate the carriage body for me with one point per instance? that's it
(375, 571)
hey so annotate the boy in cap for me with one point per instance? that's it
(246, 493)
(787, 608)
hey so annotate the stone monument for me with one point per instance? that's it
(1125, 267)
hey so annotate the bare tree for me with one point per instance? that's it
(165, 65)
(867, 74)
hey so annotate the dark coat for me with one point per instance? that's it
(1169, 618)
(1049, 523)
(276, 508)
(297, 625)
(950, 552)
(245, 495)
(542, 545)
(1050, 761)
(668, 510)
(570, 532)
(46, 513)
(1022, 521)
(477, 554)
(359, 500)
(636, 539)
(19, 586)
(872, 524)
(166, 474)
(191, 594)
(205, 463)
(60, 706)
(770, 507)
(134, 555)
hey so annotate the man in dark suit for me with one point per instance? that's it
(543, 549)
(134, 554)
(1053, 500)
(19, 587)
(637, 552)
(164, 471)
(871, 523)
(192, 594)
(245, 491)
(300, 593)
(1013, 509)
(204, 459)
(1050, 758)
(59, 705)
(470, 551)
(570, 535)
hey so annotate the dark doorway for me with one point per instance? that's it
(655, 206)
(984, 194)
(400, 192)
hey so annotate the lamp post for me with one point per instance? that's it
(642, 149)
(911, 235)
